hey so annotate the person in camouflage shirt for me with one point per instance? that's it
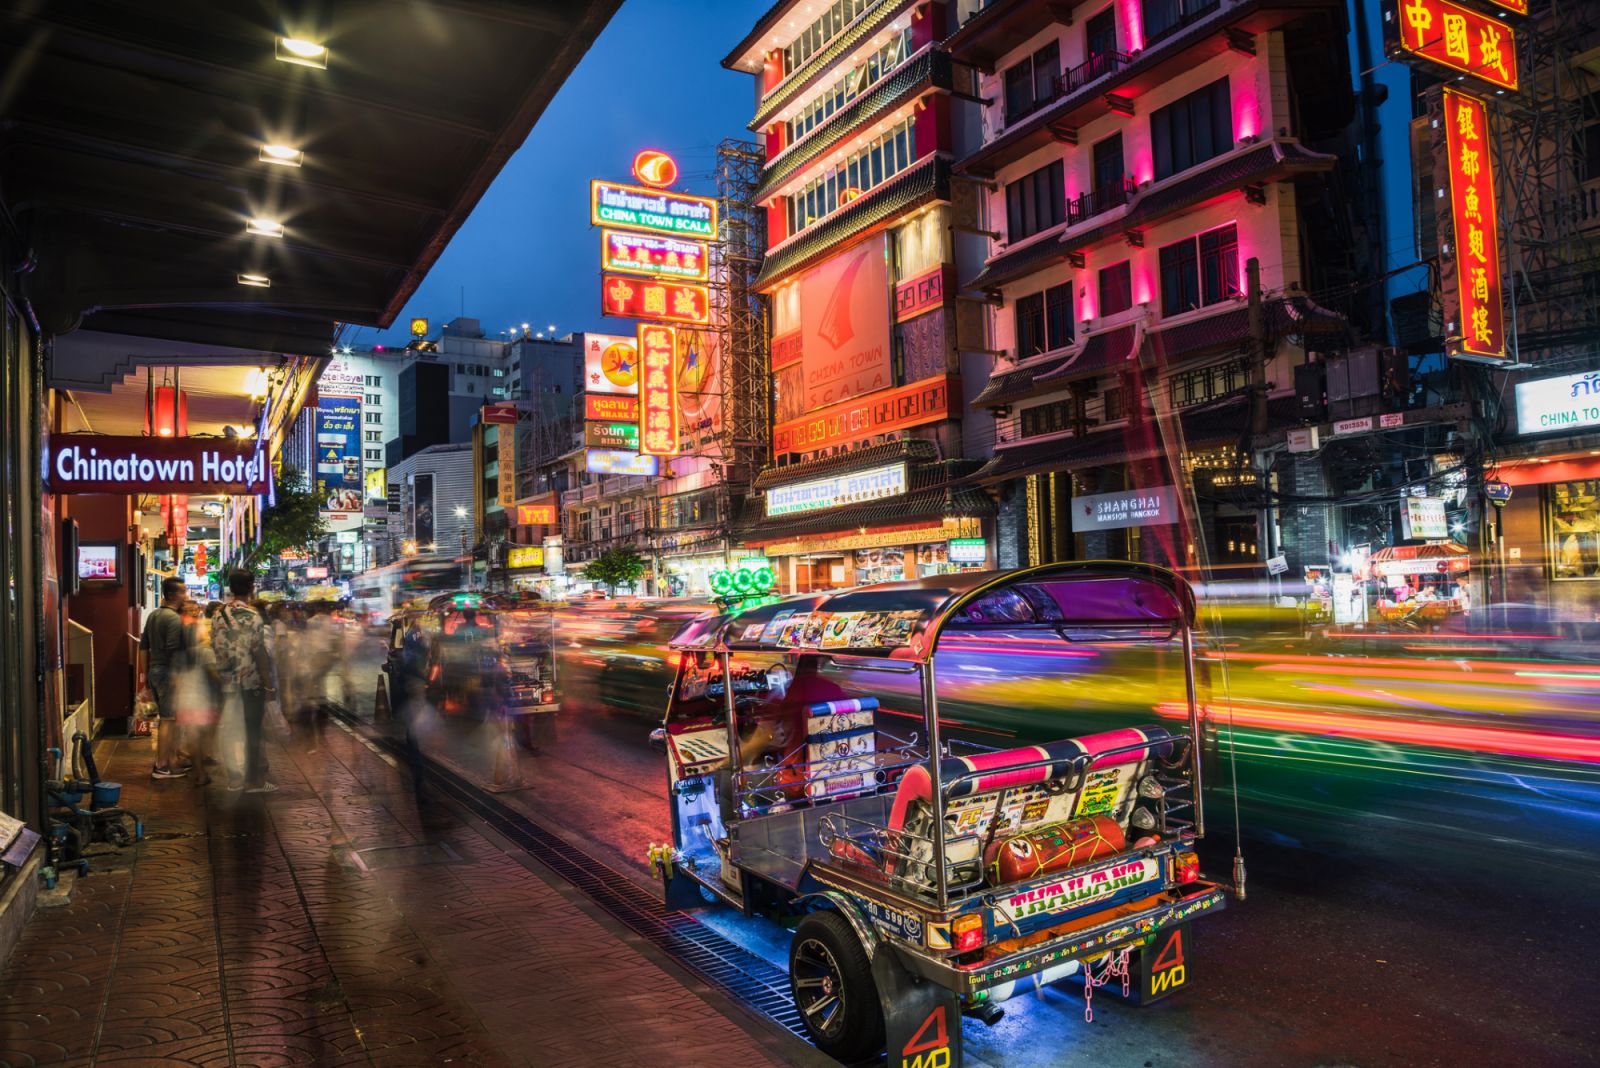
(239, 643)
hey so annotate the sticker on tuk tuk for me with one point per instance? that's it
(836, 634)
(793, 630)
(864, 635)
(897, 628)
(1034, 811)
(752, 632)
(1073, 891)
(773, 634)
(1100, 790)
(811, 638)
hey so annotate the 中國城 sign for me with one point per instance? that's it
(1465, 41)
(1150, 507)
(644, 298)
(632, 207)
(1570, 402)
(96, 463)
(872, 484)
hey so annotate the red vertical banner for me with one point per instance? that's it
(658, 390)
(1479, 326)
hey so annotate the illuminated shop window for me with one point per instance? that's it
(1574, 521)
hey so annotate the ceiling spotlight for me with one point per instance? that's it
(260, 281)
(282, 155)
(303, 52)
(265, 227)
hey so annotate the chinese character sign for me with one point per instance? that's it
(658, 390)
(641, 298)
(1459, 38)
(1476, 252)
(654, 256)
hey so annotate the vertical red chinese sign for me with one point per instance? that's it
(1479, 323)
(658, 390)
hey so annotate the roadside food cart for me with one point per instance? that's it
(927, 877)
(482, 656)
(1422, 585)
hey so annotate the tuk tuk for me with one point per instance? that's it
(478, 655)
(927, 877)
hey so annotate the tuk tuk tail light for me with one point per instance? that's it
(549, 696)
(967, 933)
(1185, 868)
(1151, 789)
(1143, 819)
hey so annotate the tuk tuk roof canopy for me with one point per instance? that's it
(903, 620)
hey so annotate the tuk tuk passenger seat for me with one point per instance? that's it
(841, 748)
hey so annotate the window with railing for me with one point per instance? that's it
(869, 72)
(1032, 84)
(815, 37)
(1192, 130)
(1200, 271)
(1163, 18)
(1036, 201)
(880, 160)
(1203, 384)
(1049, 418)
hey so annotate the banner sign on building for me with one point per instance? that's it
(98, 463)
(610, 364)
(524, 556)
(503, 413)
(912, 405)
(699, 385)
(641, 298)
(616, 462)
(339, 477)
(844, 345)
(875, 483)
(968, 550)
(605, 408)
(506, 468)
(1469, 268)
(658, 390)
(1150, 507)
(611, 436)
(422, 502)
(536, 515)
(1458, 38)
(654, 256)
(632, 207)
(1571, 402)
(1424, 517)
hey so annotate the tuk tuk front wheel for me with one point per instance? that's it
(831, 979)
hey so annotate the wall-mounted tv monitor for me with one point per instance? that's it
(100, 561)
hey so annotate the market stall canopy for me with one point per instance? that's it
(1436, 557)
(904, 620)
(138, 141)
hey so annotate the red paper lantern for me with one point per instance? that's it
(177, 516)
(170, 414)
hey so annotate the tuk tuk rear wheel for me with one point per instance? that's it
(831, 979)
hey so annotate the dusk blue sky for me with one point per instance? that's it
(653, 79)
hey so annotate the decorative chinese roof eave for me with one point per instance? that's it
(821, 64)
(1020, 262)
(923, 183)
(1007, 20)
(1012, 385)
(1108, 350)
(912, 450)
(930, 70)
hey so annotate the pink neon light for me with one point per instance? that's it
(1132, 19)
(1246, 117)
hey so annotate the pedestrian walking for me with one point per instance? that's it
(198, 689)
(161, 653)
(238, 641)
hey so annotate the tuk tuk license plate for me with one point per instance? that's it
(1164, 965)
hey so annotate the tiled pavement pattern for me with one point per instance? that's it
(241, 933)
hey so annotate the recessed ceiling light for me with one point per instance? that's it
(265, 227)
(282, 155)
(305, 53)
(260, 281)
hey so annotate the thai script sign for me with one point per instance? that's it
(633, 207)
(872, 484)
(638, 298)
(525, 556)
(1472, 260)
(339, 475)
(96, 463)
(911, 405)
(1154, 506)
(658, 390)
(968, 550)
(654, 256)
(1571, 402)
(536, 515)
(611, 435)
(603, 407)
(1466, 41)
(616, 462)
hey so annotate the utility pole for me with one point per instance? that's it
(1258, 349)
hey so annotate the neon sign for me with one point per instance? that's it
(655, 168)
(99, 463)
(616, 462)
(1478, 328)
(654, 256)
(1456, 37)
(606, 408)
(632, 207)
(658, 390)
(637, 298)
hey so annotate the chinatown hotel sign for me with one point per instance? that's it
(1469, 268)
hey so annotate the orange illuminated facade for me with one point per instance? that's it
(1480, 319)
(1459, 38)
(637, 298)
(658, 390)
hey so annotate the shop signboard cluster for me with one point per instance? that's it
(658, 390)
(874, 483)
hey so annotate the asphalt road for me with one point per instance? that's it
(1366, 939)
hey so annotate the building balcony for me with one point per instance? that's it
(1114, 83)
(1088, 204)
(1000, 26)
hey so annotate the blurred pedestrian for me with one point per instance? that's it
(199, 693)
(244, 665)
(161, 649)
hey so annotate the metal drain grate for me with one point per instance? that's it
(377, 858)
(721, 963)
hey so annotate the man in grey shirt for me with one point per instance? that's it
(162, 652)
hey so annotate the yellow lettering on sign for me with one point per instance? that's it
(1490, 53)
(1456, 44)
(1420, 20)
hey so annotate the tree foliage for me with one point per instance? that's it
(620, 566)
(293, 524)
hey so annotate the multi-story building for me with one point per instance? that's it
(865, 226)
(435, 487)
(460, 364)
(1155, 205)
